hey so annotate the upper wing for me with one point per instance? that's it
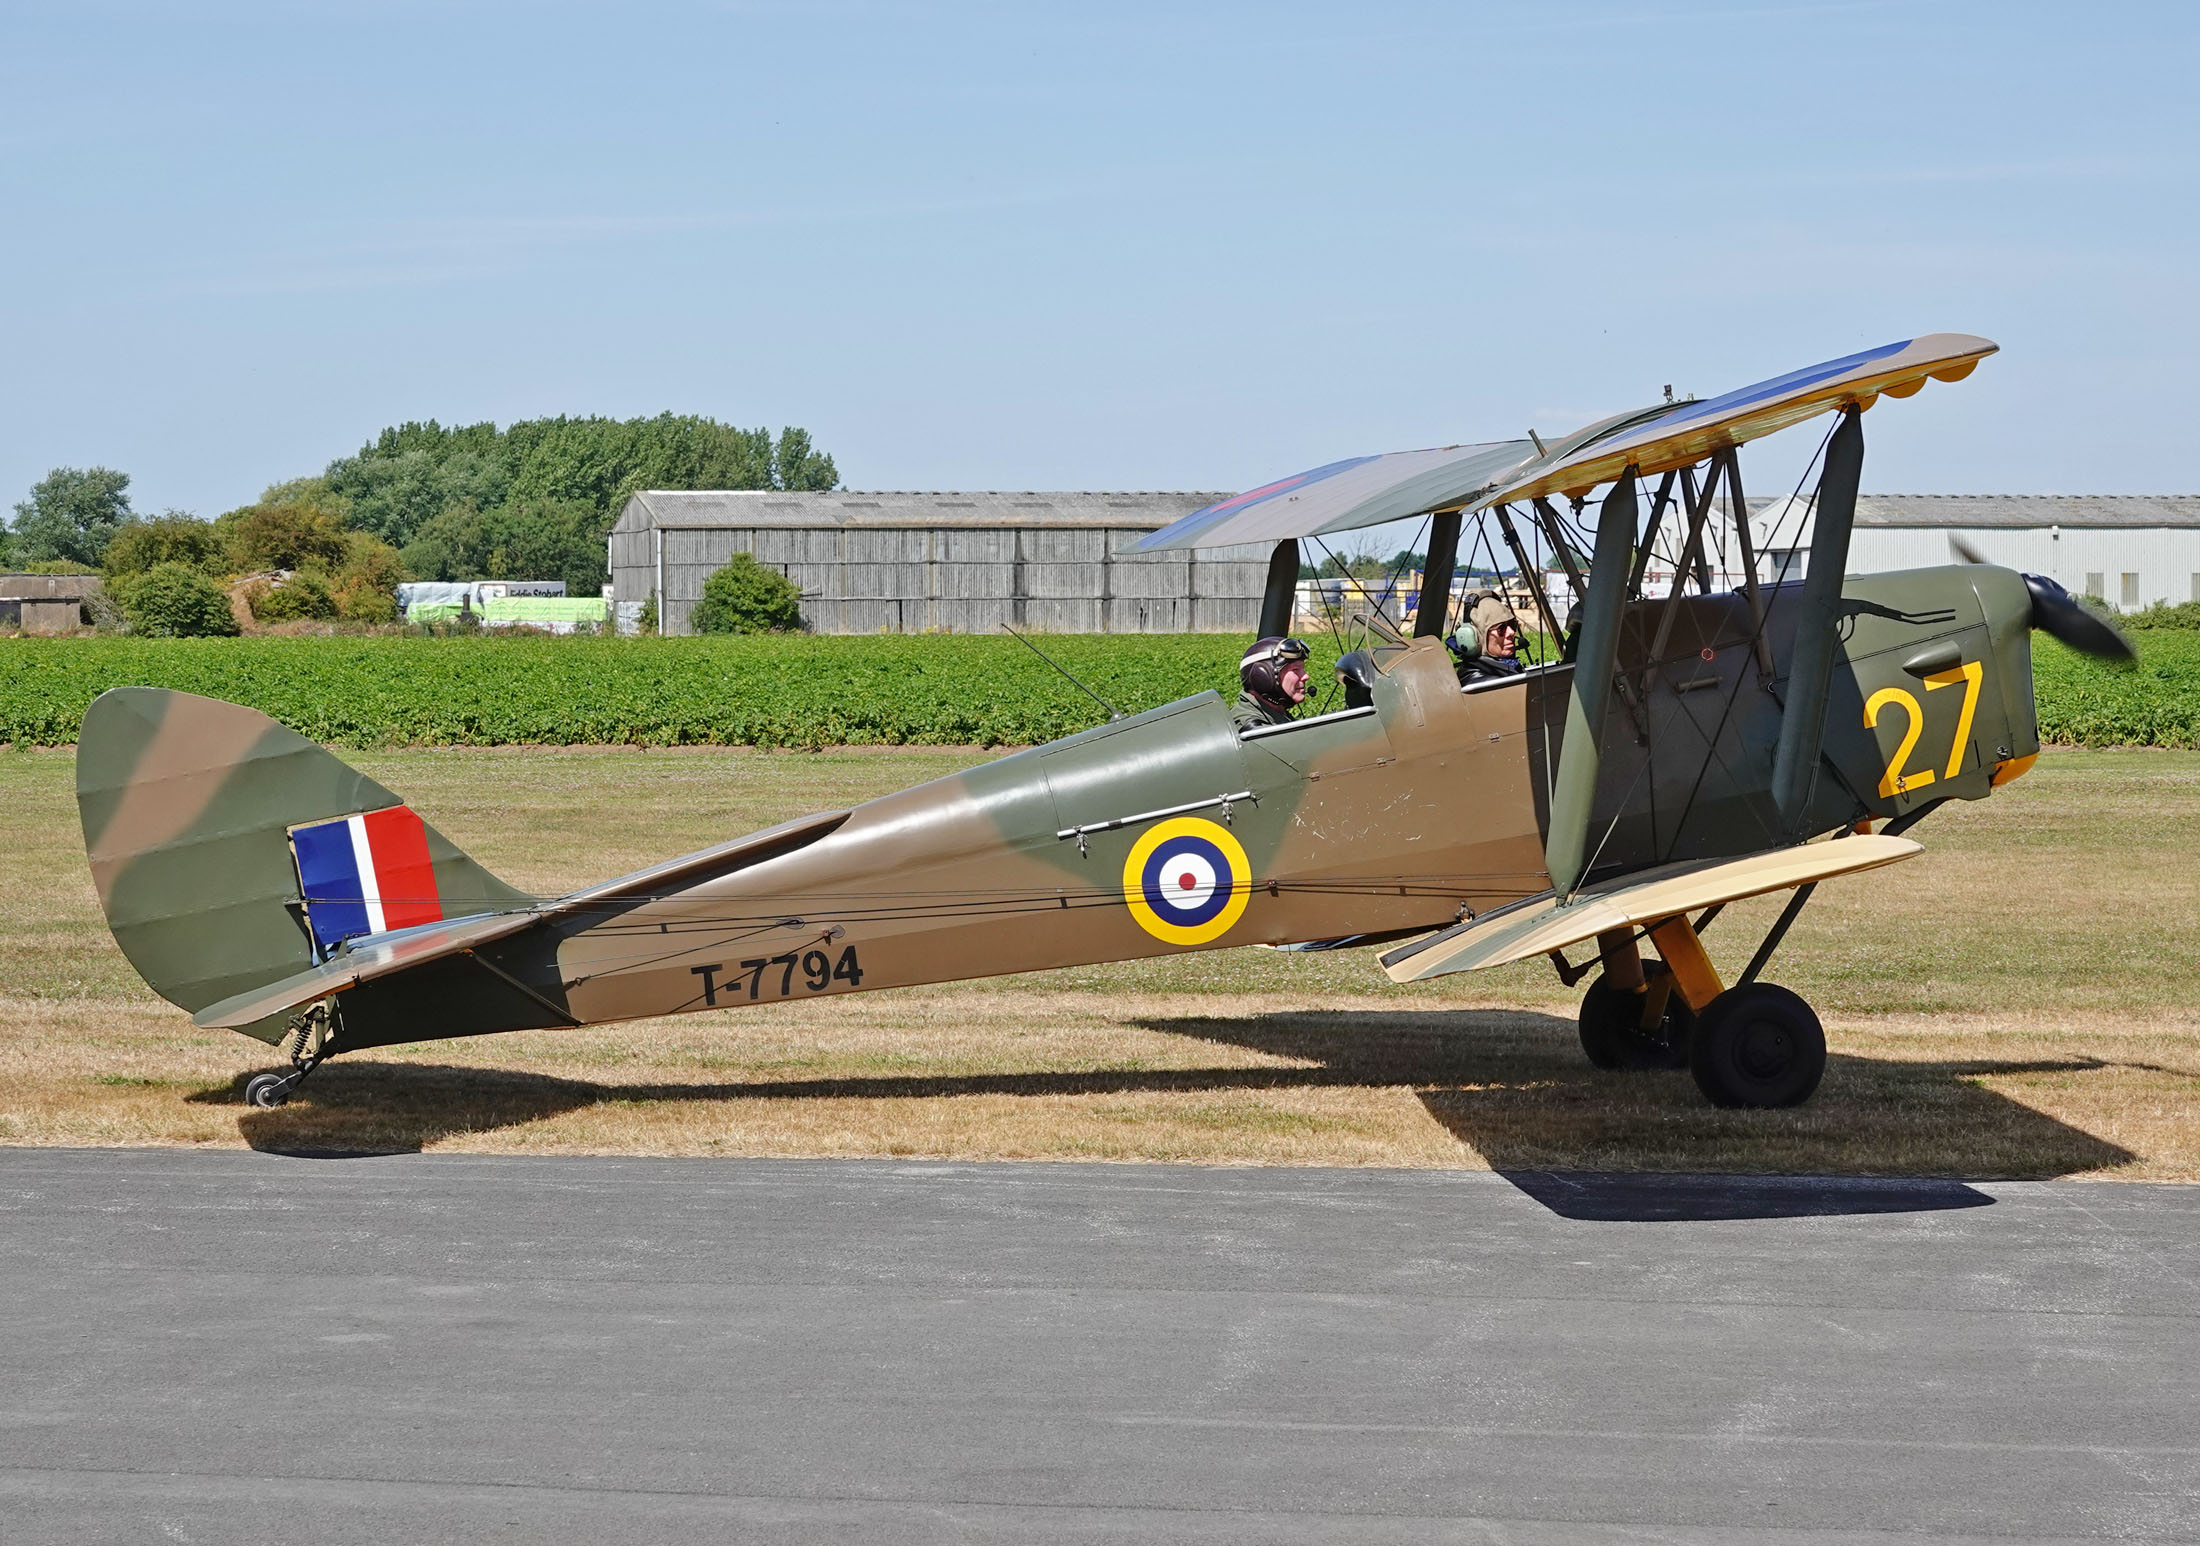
(1688, 432)
(1369, 490)
(1343, 496)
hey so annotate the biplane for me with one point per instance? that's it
(1685, 745)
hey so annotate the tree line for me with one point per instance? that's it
(534, 500)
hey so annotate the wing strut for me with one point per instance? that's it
(1434, 607)
(1279, 599)
(1530, 575)
(1574, 789)
(1731, 461)
(1547, 518)
(1803, 714)
(1646, 549)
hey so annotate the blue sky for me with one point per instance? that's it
(1120, 246)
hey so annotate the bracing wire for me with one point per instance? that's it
(1329, 617)
(1330, 614)
(1541, 580)
(776, 909)
(1726, 708)
(1732, 697)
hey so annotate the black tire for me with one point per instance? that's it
(1758, 1046)
(1612, 1033)
(266, 1090)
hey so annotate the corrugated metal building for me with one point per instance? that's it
(969, 562)
(949, 562)
(2131, 550)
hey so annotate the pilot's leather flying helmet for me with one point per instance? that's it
(1261, 668)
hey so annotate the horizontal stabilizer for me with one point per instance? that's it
(366, 959)
(374, 956)
(1541, 925)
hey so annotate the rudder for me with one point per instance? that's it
(187, 805)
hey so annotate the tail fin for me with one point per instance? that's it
(188, 805)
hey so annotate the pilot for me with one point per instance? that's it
(1273, 672)
(1487, 643)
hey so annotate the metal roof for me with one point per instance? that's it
(2020, 511)
(856, 507)
(1151, 511)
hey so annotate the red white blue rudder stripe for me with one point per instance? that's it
(365, 874)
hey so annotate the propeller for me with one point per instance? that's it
(2058, 614)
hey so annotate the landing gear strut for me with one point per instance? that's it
(1636, 1015)
(308, 1037)
(1646, 1027)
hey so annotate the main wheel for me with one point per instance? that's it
(1612, 1033)
(1757, 1045)
(266, 1090)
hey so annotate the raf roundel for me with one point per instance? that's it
(1187, 881)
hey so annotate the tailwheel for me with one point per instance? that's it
(1613, 1032)
(1757, 1045)
(308, 1037)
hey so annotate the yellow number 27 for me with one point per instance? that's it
(1896, 781)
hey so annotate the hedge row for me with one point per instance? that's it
(808, 691)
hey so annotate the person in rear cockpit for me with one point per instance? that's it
(1487, 644)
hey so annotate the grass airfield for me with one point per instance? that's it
(2018, 1001)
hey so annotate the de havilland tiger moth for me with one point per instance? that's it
(1690, 745)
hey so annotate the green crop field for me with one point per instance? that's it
(801, 691)
(809, 691)
(2084, 703)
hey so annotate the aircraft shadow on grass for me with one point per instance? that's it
(1513, 1086)
(1509, 1084)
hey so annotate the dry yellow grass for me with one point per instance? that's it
(2029, 976)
